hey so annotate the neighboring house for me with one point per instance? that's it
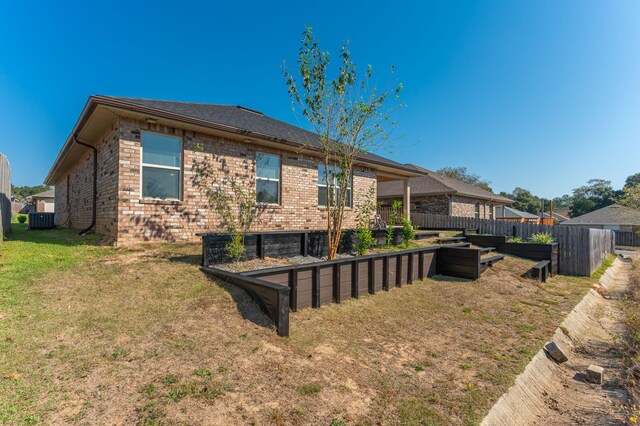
(126, 170)
(512, 215)
(614, 217)
(44, 202)
(437, 194)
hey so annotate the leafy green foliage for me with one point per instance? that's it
(408, 231)
(22, 192)
(235, 247)
(231, 195)
(22, 218)
(631, 197)
(524, 200)
(597, 193)
(396, 209)
(364, 211)
(463, 175)
(346, 110)
(633, 180)
(541, 238)
(515, 240)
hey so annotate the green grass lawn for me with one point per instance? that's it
(91, 334)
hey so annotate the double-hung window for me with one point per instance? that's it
(161, 166)
(267, 178)
(331, 193)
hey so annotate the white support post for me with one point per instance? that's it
(406, 202)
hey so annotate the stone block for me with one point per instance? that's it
(595, 374)
(555, 352)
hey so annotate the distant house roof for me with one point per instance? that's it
(237, 120)
(432, 183)
(510, 212)
(614, 214)
(45, 194)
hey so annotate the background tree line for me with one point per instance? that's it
(597, 193)
(22, 192)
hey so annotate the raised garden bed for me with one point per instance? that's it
(283, 244)
(548, 252)
(320, 283)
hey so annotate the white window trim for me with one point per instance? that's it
(262, 203)
(324, 185)
(159, 166)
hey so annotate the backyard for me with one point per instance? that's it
(94, 334)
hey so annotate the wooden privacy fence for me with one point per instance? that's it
(581, 250)
(627, 238)
(5, 196)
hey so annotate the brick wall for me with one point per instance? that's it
(441, 204)
(76, 209)
(149, 220)
(466, 207)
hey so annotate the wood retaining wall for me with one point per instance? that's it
(548, 252)
(581, 250)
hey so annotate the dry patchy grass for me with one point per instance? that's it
(142, 336)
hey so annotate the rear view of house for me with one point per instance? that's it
(126, 170)
(437, 194)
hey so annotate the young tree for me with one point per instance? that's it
(349, 114)
(462, 174)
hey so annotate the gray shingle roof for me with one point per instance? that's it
(433, 183)
(614, 214)
(510, 212)
(51, 193)
(245, 119)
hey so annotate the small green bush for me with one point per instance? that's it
(541, 238)
(515, 240)
(364, 240)
(235, 247)
(408, 231)
(22, 219)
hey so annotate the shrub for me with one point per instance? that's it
(235, 247)
(515, 240)
(408, 232)
(396, 207)
(541, 238)
(22, 218)
(364, 240)
(364, 210)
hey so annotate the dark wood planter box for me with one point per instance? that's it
(548, 252)
(283, 244)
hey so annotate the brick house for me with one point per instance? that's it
(437, 194)
(126, 170)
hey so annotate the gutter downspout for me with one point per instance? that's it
(95, 185)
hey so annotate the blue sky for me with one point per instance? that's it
(542, 94)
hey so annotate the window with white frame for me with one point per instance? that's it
(325, 194)
(267, 178)
(477, 213)
(161, 166)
